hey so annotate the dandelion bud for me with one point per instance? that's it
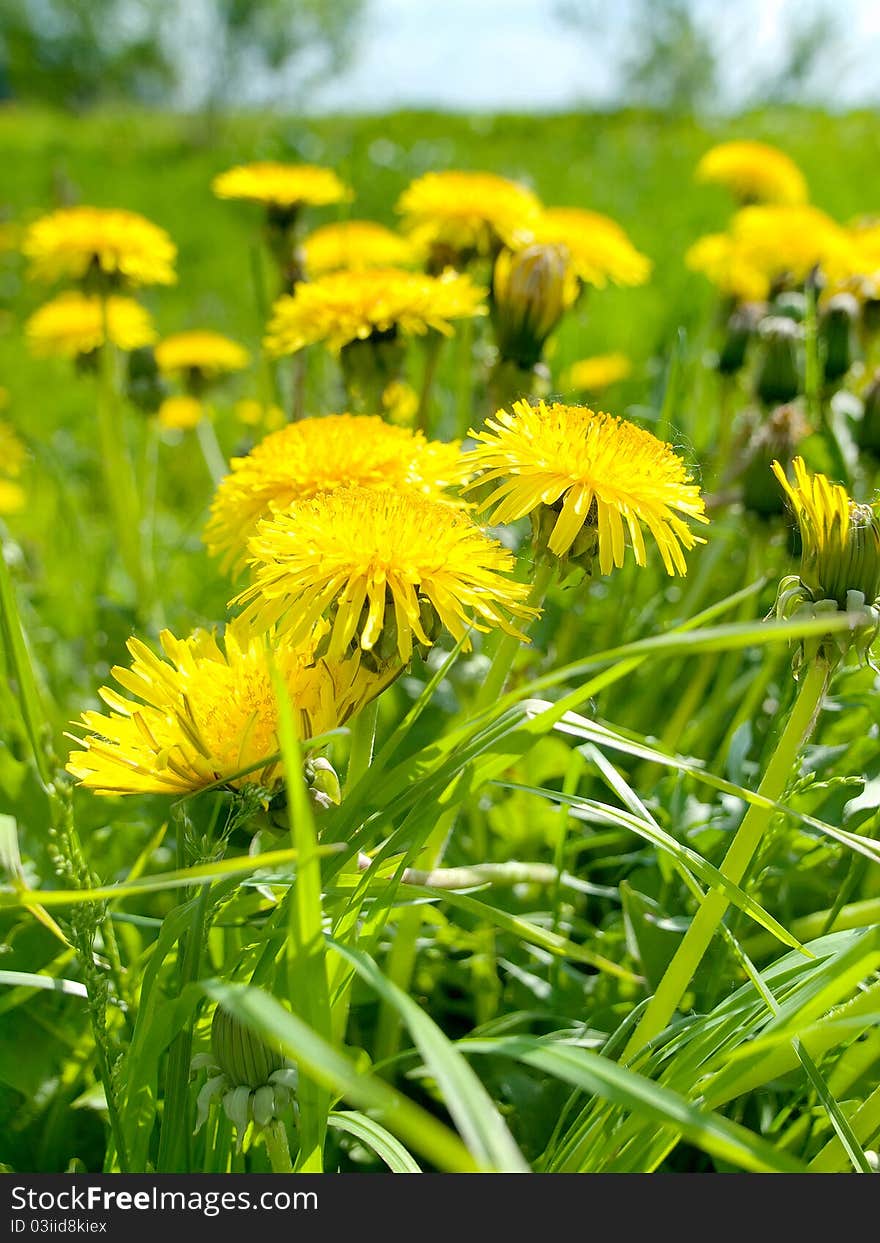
(144, 386)
(778, 378)
(531, 290)
(773, 439)
(867, 429)
(838, 334)
(790, 304)
(323, 783)
(740, 329)
(252, 1078)
(840, 559)
(242, 1055)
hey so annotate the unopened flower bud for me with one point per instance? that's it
(323, 782)
(778, 378)
(840, 560)
(838, 334)
(531, 290)
(790, 304)
(252, 1077)
(867, 429)
(739, 331)
(775, 438)
(243, 1056)
(144, 386)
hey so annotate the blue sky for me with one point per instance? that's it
(517, 54)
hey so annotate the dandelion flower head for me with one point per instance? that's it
(203, 712)
(319, 455)
(465, 213)
(283, 186)
(209, 353)
(590, 470)
(355, 244)
(754, 172)
(590, 375)
(352, 306)
(599, 249)
(74, 323)
(385, 570)
(73, 242)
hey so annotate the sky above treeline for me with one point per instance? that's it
(521, 55)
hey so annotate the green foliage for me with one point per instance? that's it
(465, 999)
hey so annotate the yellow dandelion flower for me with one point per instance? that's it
(355, 244)
(767, 245)
(73, 324)
(717, 257)
(465, 213)
(591, 375)
(206, 712)
(400, 402)
(73, 242)
(284, 186)
(352, 306)
(386, 570)
(208, 353)
(181, 413)
(320, 455)
(840, 539)
(599, 249)
(855, 264)
(12, 451)
(580, 470)
(754, 172)
(13, 497)
(255, 413)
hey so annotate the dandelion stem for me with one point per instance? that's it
(119, 476)
(277, 1148)
(211, 451)
(505, 653)
(682, 968)
(298, 404)
(433, 346)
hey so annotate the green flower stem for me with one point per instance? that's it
(298, 395)
(505, 652)
(277, 1148)
(211, 451)
(684, 965)
(272, 393)
(363, 738)
(464, 389)
(433, 346)
(177, 1125)
(119, 478)
(20, 671)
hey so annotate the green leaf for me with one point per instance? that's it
(597, 1075)
(470, 1106)
(374, 1136)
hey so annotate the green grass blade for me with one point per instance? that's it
(306, 949)
(317, 1058)
(390, 1150)
(470, 1106)
(597, 1075)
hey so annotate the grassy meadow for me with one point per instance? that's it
(483, 1010)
